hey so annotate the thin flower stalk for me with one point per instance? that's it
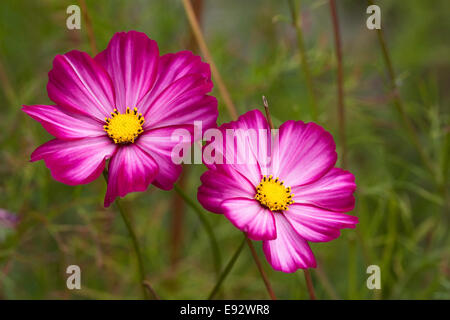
(304, 60)
(217, 259)
(89, 28)
(136, 247)
(227, 269)
(340, 83)
(195, 25)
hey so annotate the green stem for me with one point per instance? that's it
(261, 269)
(135, 242)
(136, 247)
(212, 238)
(352, 269)
(304, 60)
(340, 82)
(309, 284)
(227, 270)
(398, 103)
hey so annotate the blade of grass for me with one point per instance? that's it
(177, 219)
(398, 103)
(227, 269)
(352, 269)
(134, 241)
(328, 287)
(6, 85)
(209, 231)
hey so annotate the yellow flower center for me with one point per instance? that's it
(272, 194)
(124, 128)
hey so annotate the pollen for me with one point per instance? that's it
(272, 194)
(124, 128)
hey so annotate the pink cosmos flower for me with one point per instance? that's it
(298, 197)
(122, 105)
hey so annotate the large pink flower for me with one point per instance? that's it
(122, 105)
(297, 197)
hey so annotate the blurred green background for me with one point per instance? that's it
(403, 207)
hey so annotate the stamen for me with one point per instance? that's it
(124, 128)
(272, 194)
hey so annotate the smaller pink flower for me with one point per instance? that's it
(8, 219)
(298, 197)
(122, 105)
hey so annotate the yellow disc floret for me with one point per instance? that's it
(124, 128)
(272, 194)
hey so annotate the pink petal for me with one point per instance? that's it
(159, 144)
(306, 153)
(77, 161)
(63, 124)
(173, 66)
(253, 119)
(254, 123)
(81, 85)
(333, 191)
(184, 77)
(222, 184)
(182, 102)
(131, 60)
(249, 216)
(288, 252)
(130, 170)
(243, 154)
(316, 224)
